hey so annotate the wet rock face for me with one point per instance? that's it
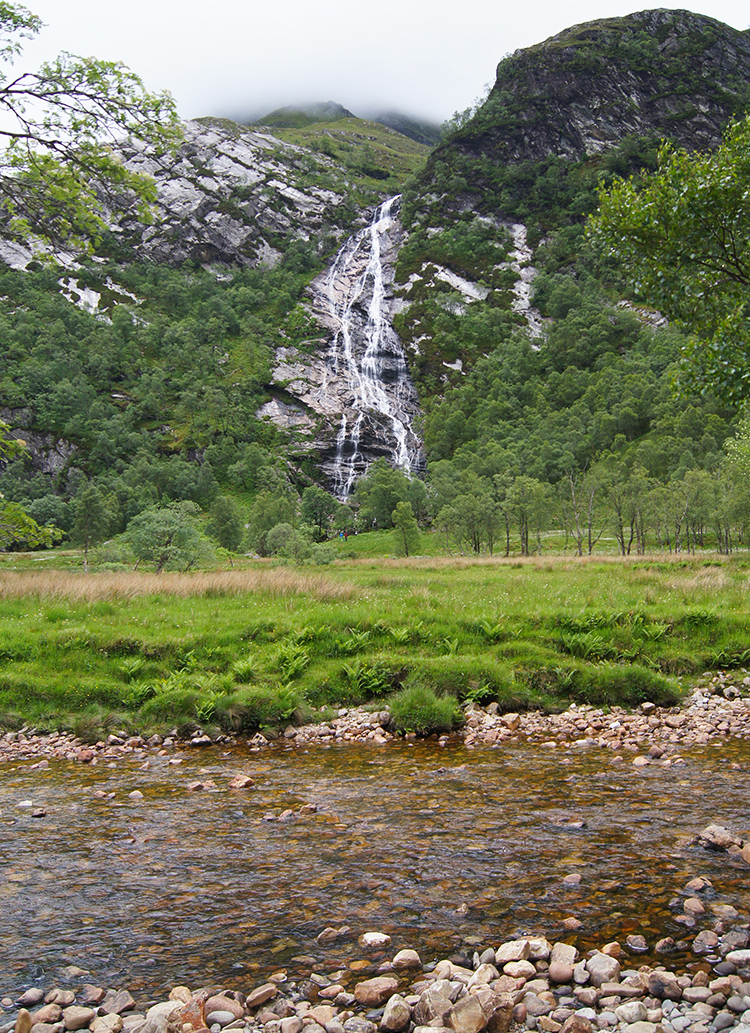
(357, 402)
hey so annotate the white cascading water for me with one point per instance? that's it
(368, 355)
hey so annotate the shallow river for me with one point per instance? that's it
(445, 849)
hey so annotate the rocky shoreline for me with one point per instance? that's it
(718, 709)
(523, 984)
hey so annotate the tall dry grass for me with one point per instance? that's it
(92, 588)
(547, 560)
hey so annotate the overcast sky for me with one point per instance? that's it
(244, 57)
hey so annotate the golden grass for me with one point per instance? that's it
(543, 562)
(708, 579)
(91, 588)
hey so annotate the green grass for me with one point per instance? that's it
(368, 149)
(265, 645)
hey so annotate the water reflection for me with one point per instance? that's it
(443, 849)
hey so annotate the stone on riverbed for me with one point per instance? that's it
(117, 1003)
(466, 1015)
(221, 1003)
(61, 997)
(434, 1002)
(664, 986)
(376, 991)
(75, 1017)
(162, 1018)
(30, 997)
(106, 1024)
(716, 837)
(560, 972)
(397, 1015)
(49, 1013)
(603, 969)
(23, 1021)
(406, 959)
(261, 994)
(497, 1008)
(577, 1024)
(483, 975)
(513, 950)
(631, 1011)
(374, 939)
(519, 969)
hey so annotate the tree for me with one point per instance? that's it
(579, 497)
(318, 508)
(472, 519)
(17, 528)
(294, 544)
(379, 492)
(92, 520)
(405, 529)
(168, 537)
(529, 502)
(682, 236)
(58, 168)
(225, 524)
(9, 447)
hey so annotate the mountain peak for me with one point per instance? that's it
(296, 115)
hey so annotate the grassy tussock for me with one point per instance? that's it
(92, 588)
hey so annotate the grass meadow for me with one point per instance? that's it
(262, 645)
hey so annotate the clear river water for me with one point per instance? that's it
(444, 849)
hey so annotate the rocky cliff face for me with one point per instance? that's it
(593, 100)
(660, 73)
(233, 195)
(655, 74)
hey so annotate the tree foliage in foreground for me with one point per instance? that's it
(682, 237)
(58, 125)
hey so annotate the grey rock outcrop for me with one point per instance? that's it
(229, 195)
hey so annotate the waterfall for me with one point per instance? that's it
(367, 355)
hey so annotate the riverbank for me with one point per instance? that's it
(256, 648)
(717, 709)
(523, 984)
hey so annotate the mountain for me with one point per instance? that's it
(286, 319)
(296, 117)
(584, 105)
(292, 117)
(428, 133)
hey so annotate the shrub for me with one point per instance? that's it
(419, 710)
(254, 707)
(172, 705)
(623, 685)
(324, 553)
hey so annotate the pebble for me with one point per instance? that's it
(456, 995)
(661, 732)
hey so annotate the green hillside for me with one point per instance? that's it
(560, 417)
(367, 149)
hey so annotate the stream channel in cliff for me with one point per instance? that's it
(443, 849)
